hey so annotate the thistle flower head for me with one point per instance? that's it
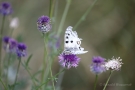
(114, 64)
(43, 24)
(10, 44)
(97, 65)
(21, 50)
(68, 61)
(5, 8)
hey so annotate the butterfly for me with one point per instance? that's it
(72, 42)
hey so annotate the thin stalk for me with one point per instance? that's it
(55, 14)
(60, 78)
(51, 8)
(45, 58)
(11, 33)
(47, 70)
(29, 74)
(3, 84)
(17, 73)
(63, 17)
(51, 77)
(8, 68)
(1, 34)
(107, 80)
(84, 15)
(95, 84)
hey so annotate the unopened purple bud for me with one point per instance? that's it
(43, 24)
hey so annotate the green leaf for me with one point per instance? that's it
(28, 60)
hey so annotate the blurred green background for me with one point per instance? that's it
(108, 30)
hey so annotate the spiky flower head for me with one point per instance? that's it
(5, 8)
(97, 65)
(43, 24)
(68, 60)
(114, 64)
(21, 50)
(10, 44)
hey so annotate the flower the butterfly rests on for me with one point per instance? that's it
(72, 47)
(68, 61)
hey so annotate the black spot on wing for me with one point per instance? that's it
(66, 41)
(71, 41)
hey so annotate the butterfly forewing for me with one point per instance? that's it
(72, 42)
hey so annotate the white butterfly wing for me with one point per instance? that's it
(72, 42)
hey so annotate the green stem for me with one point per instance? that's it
(84, 15)
(17, 73)
(11, 33)
(51, 77)
(45, 57)
(29, 74)
(47, 70)
(95, 82)
(107, 80)
(55, 15)
(60, 78)
(51, 8)
(1, 34)
(8, 68)
(3, 84)
(63, 17)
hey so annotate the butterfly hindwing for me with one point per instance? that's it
(72, 42)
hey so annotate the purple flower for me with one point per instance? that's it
(43, 24)
(21, 50)
(10, 44)
(6, 39)
(5, 8)
(97, 65)
(68, 61)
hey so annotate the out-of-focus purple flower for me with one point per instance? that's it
(97, 65)
(5, 8)
(10, 44)
(57, 44)
(43, 24)
(68, 61)
(6, 39)
(21, 50)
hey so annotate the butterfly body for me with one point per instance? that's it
(72, 42)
